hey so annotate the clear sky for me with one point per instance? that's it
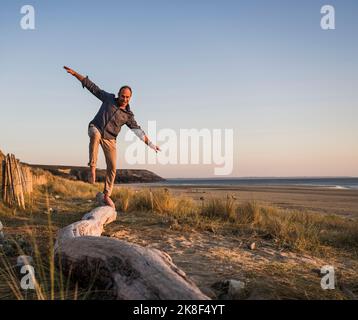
(264, 68)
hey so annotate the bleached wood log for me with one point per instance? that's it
(125, 271)
(92, 224)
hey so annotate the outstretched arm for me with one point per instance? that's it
(87, 83)
(74, 73)
(133, 125)
(150, 144)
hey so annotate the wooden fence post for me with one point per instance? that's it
(16, 182)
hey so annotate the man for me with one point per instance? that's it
(106, 125)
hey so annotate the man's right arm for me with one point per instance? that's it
(93, 88)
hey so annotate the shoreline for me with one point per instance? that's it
(234, 186)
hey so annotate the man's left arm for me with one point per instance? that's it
(133, 125)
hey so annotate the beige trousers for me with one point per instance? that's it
(110, 153)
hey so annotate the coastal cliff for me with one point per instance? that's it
(81, 173)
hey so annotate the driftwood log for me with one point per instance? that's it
(123, 270)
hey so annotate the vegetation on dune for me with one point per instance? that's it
(59, 202)
(294, 229)
(50, 283)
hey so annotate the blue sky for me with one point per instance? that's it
(264, 68)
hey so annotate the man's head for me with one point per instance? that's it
(124, 96)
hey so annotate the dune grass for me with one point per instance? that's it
(288, 228)
(33, 234)
(73, 189)
(50, 283)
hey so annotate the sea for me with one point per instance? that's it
(342, 183)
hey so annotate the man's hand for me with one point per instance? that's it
(156, 148)
(150, 144)
(69, 70)
(74, 73)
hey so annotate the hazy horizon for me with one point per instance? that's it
(216, 177)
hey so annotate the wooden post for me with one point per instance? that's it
(10, 191)
(3, 181)
(16, 182)
(19, 184)
(26, 177)
(1, 175)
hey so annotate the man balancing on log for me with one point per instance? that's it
(104, 128)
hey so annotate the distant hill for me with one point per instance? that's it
(81, 173)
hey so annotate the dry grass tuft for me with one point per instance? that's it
(50, 283)
(288, 228)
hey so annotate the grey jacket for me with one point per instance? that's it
(110, 118)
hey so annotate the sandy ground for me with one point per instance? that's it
(309, 199)
(268, 273)
(208, 257)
